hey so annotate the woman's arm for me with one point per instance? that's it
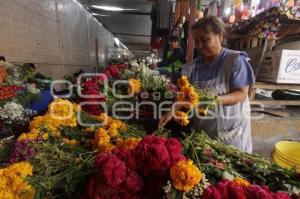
(234, 97)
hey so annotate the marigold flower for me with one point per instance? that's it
(129, 143)
(183, 81)
(241, 182)
(185, 175)
(182, 118)
(71, 142)
(135, 86)
(12, 183)
(188, 94)
(113, 130)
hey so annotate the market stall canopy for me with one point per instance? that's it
(129, 20)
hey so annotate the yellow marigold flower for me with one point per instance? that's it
(130, 143)
(135, 86)
(183, 81)
(182, 118)
(241, 182)
(113, 130)
(32, 135)
(71, 142)
(188, 94)
(12, 183)
(61, 108)
(106, 148)
(185, 175)
(38, 121)
(101, 137)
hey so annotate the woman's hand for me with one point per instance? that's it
(169, 115)
(165, 119)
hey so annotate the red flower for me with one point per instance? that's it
(174, 149)
(257, 192)
(126, 156)
(152, 156)
(133, 181)
(281, 195)
(222, 187)
(113, 171)
(211, 193)
(100, 159)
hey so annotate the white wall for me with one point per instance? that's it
(57, 35)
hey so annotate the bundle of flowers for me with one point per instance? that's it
(117, 176)
(219, 161)
(10, 91)
(12, 116)
(142, 172)
(22, 151)
(92, 89)
(114, 71)
(12, 181)
(240, 189)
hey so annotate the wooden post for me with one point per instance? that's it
(190, 42)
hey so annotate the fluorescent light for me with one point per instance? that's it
(227, 11)
(100, 15)
(117, 41)
(111, 8)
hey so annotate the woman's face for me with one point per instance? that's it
(207, 44)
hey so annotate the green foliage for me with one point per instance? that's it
(60, 169)
(237, 163)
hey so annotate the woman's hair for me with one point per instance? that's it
(210, 24)
(2, 58)
(173, 38)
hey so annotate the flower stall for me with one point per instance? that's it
(73, 152)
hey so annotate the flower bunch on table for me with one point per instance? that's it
(142, 171)
(14, 113)
(12, 181)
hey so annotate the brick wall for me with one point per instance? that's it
(59, 36)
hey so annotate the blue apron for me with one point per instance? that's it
(231, 124)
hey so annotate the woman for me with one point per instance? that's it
(228, 74)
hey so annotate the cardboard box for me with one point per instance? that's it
(280, 66)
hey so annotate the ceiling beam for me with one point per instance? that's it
(131, 34)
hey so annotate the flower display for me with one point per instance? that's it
(12, 183)
(183, 119)
(185, 175)
(135, 86)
